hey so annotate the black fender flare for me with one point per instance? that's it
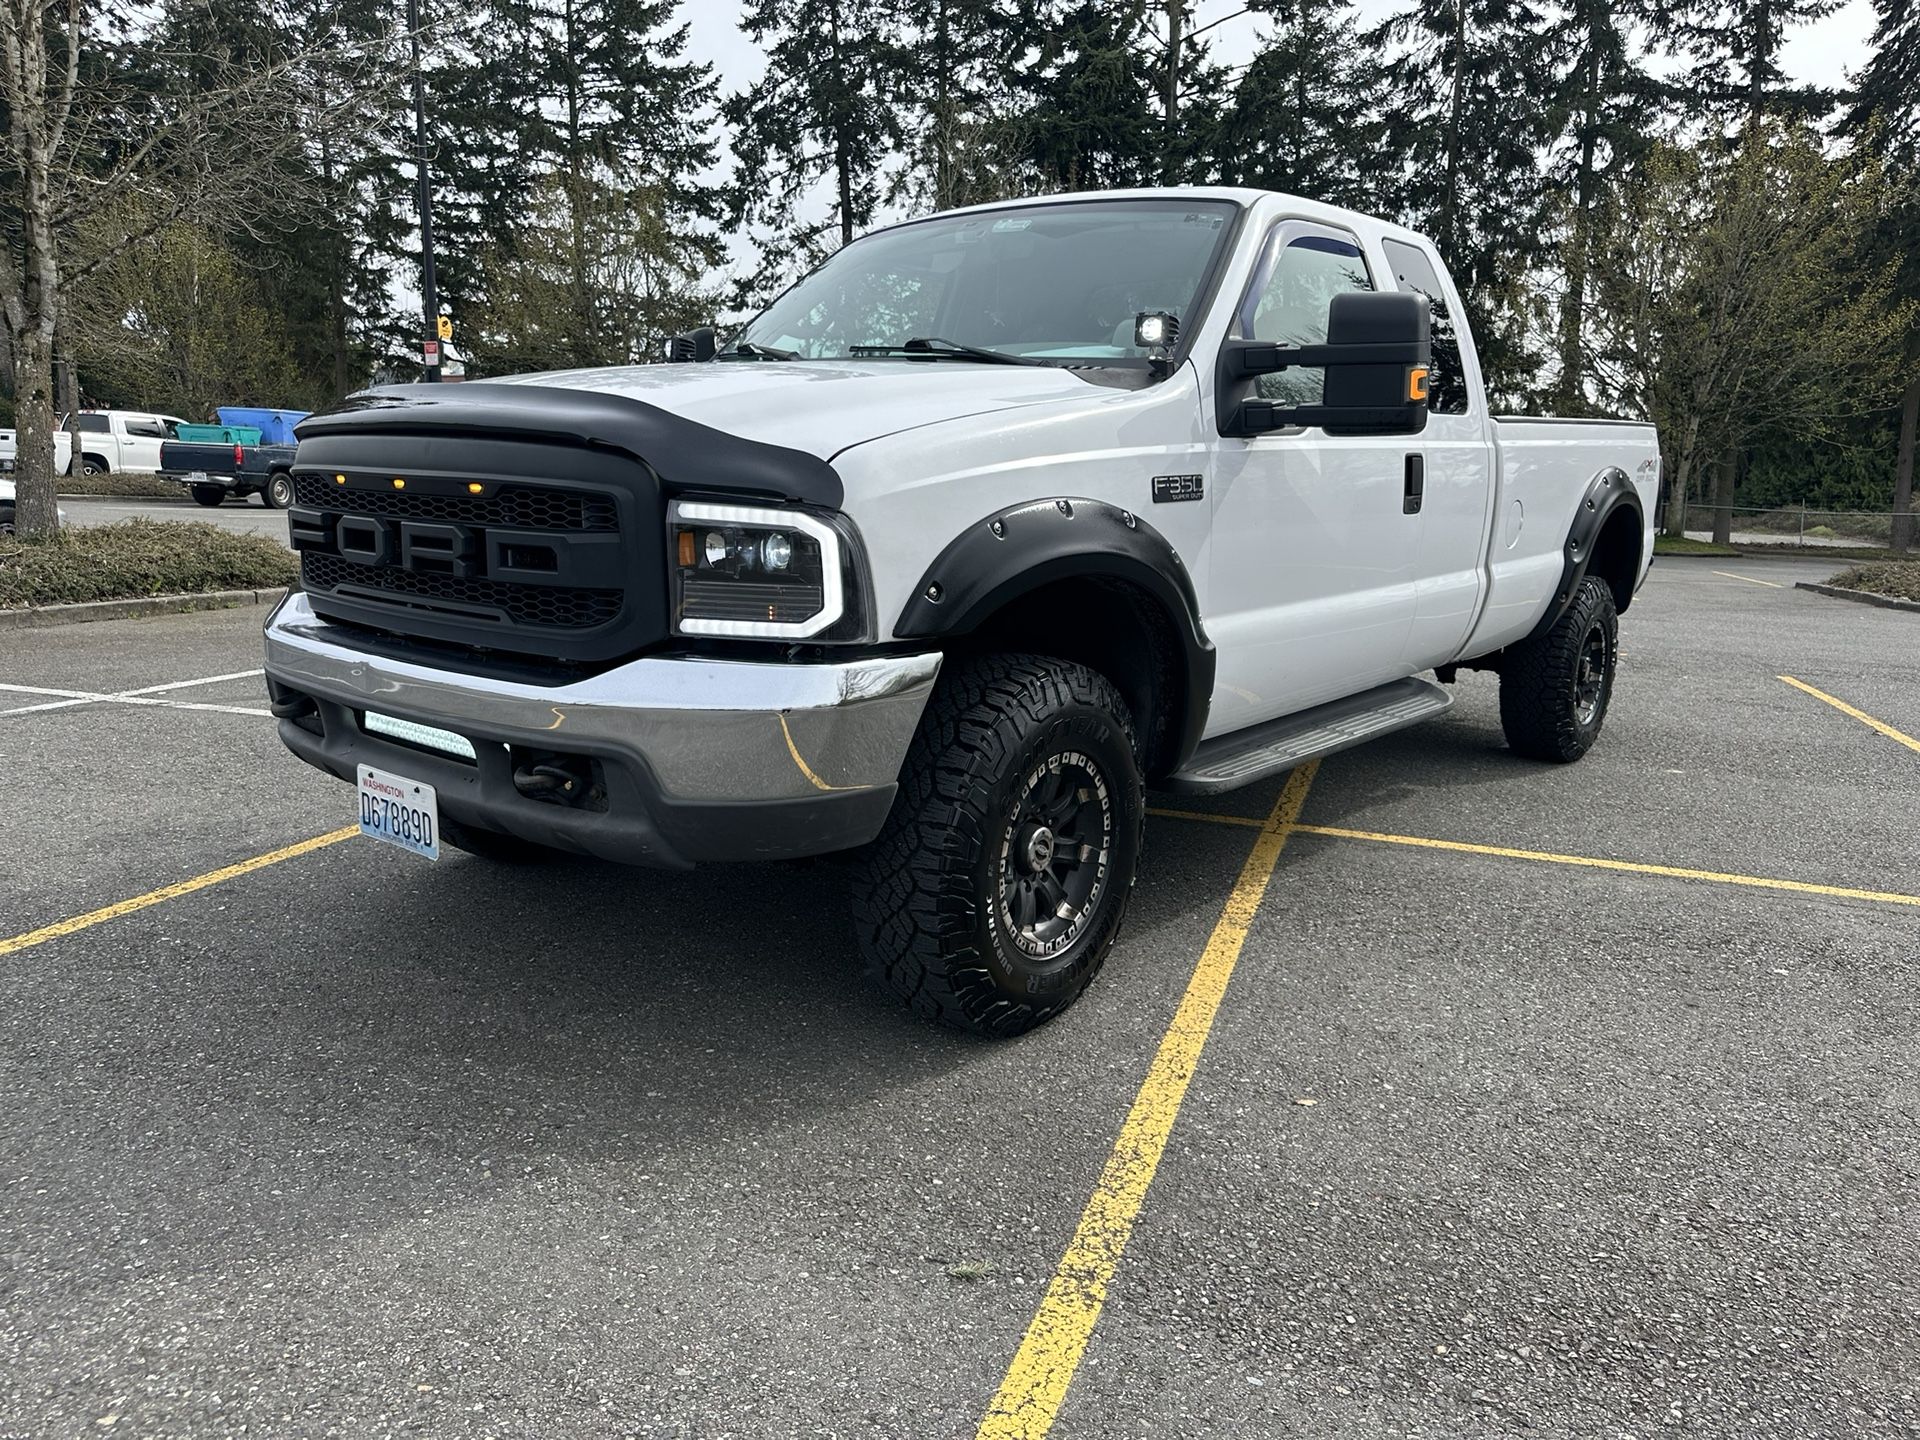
(1607, 492)
(1016, 550)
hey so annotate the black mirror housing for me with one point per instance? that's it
(1376, 356)
(692, 345)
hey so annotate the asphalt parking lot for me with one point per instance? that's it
(243, 517)
(1485, 1140)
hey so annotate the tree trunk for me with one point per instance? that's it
(1569, 390)
(843, 168)
(1676, 525)
(1726, 473)
(1170, 94)
(1903, 517)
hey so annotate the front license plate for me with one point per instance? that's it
(399, 811)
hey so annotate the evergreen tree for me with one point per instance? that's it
(952, 86)
(1605, 106)
(619, 123)
(1886, 113)
(1304, 116)
(1471, 88)
(822, 111)
(1734, 45)
(1090, 97)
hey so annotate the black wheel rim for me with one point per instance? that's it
(1054, 851)
(1590, 676)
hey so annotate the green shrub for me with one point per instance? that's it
(140, 557)
(125, 484)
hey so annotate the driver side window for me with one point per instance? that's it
(1303, 269)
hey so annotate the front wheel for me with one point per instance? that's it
(279, 492)
(998, 884)
(207, 495)
(1555, 688)
(91, 465)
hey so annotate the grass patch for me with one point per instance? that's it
(1898, 578)
(140, 557)
(126, 486)
(1684, 545)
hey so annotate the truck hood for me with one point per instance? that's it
(822, 406)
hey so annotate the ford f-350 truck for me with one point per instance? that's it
(992, 521)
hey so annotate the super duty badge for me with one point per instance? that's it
(1167, 488)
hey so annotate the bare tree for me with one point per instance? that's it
(133, 109)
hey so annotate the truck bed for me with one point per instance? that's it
(1542, 467)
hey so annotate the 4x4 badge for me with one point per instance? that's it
(1168, 488)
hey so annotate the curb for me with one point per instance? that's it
(1862, 597)
(80, 614)
(180, 499)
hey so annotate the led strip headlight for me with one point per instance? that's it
(753, 571)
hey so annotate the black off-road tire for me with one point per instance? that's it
(493, 844)
(279, 492)
(1555, 688)
(207, 495)
(950, 903)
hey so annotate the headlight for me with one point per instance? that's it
(763, 573)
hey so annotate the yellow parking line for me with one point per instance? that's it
(1035, 1386)
(1860, 715)
(1770, 584)
(171, 892)
(1204, 815)
(1632, 867)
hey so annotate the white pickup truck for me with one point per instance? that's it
(991, 522)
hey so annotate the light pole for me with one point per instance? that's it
(429, 289)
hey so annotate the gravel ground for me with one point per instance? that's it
(360, 1146)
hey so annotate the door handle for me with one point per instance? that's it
(1416, 489)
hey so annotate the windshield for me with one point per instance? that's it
(1050, 282)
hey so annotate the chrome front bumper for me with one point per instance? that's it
(704, 759)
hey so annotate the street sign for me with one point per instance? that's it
(430, 353)
(446, 327)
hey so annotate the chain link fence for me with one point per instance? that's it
(1800, 525)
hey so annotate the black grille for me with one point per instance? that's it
(522, 506)
(549, 606)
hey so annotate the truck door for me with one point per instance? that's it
(140, 441)
(1311, 594)
(1454, 456)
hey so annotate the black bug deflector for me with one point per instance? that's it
(514, 518)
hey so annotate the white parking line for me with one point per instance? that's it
(70, 699)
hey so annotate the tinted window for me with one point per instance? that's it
(1413, 269)
(1302, 274)
(146, 426)
(91, 424)
(1048, 281)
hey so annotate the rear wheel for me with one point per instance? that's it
(492, 844)
(279, 492)
(208, 495)
(998, 885)
(1555, 688)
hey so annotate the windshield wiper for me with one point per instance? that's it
(951, 349)
(751, 350)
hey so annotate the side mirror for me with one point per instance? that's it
(692, 345)
(1375, 357)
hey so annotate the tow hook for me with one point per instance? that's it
(559, 781)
